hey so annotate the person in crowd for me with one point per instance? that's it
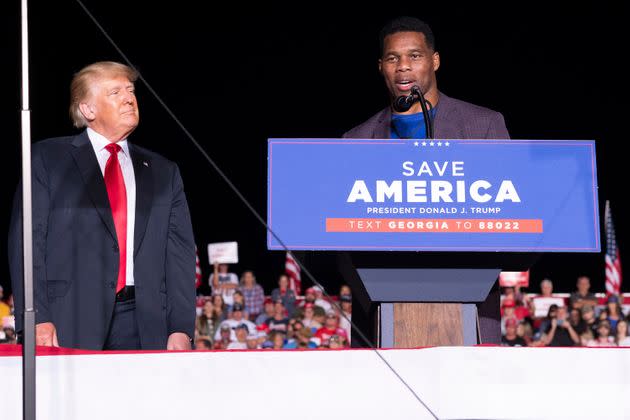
(285, 293)
(613, 311)
(236, 318)
(252, 341)
(586, 337)
(10, 335)
(268, 312)
(203, 344)
(302, 340)
(622, 339)
(589, 320)
(253, 293)
(319, 318)
(262, 332)
(582, 296)
(546, 288)
(345, 320)
(241, 331)
(561, 333)
(223, 283)
(518, 310)
(330, 328)
(308, 314)
(604, 337)
(524, 330)
(546, 322)
(508, 292)
(125, 221)
(279, 321)
(575, 318)
(309, 297)
(344, 290)
(5, 309)
(337, 342)
(508, 311)
(220, 308)
(541, 303)
(225, 337)
(277, 339)
(207, 322)
(320, 300)
(511, 337)
(295, 324)
(514, 292)
(238, 297)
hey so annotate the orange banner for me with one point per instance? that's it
(435, 225)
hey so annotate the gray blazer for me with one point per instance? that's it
(454, 119)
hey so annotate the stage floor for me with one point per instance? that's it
(453, 382)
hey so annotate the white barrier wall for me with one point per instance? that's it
(454, 382)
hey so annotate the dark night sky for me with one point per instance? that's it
(554, 74)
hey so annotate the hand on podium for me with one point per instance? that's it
(46, 335)
(178, 341)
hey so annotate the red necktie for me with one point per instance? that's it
(115, 184)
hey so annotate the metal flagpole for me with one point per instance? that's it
(28, 342)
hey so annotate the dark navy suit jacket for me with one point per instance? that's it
(75, 250)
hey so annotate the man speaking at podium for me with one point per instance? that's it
(408, 64)
(113, 248)
(408, 60)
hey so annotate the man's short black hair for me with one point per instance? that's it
(406, 24)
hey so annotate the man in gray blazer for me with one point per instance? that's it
(408, 59)
(113, 248)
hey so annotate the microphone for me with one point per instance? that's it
(404, 103)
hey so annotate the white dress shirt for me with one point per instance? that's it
(102, 155)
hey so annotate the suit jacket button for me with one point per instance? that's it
(115, 247)
(112, 284)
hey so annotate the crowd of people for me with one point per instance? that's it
(7, 326)
(549, 319)
(238, 315)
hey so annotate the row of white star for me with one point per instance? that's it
(431, 143)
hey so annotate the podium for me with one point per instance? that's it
(423, 229)
(408, 300)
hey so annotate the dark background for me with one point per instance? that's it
(236, 78)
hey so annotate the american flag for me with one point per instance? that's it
(613, 262)
(197, 269)
(293, 271)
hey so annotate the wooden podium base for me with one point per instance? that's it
(427, 324)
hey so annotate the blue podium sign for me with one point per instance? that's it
(438, 195)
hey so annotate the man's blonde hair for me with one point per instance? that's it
(80, 85)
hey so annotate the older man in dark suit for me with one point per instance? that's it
(113, 248)
(408, 59)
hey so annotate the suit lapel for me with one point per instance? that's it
(85, 158)
(144, 193)
(382, 129)
(442, 128)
